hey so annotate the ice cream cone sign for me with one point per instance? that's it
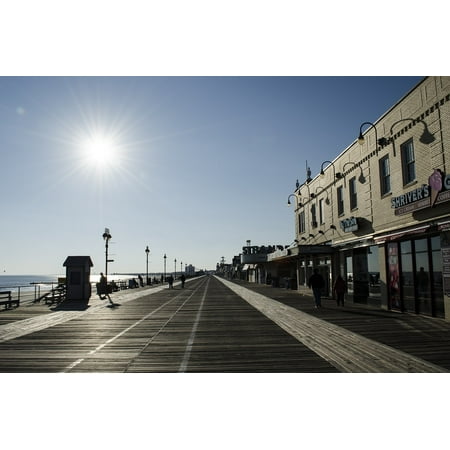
(435, 182)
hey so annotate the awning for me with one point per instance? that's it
(249, 267)
(400, 233)
(443, 225)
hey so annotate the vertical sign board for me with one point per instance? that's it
(445, 251)
(394, 277)
(446, 269)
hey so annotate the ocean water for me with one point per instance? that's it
(29, 282)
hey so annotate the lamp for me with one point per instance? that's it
(315, 194)
(332, 227)
(311, 235)
(147, 251)
(289, 201)
(106, 236)
(165, 257)
(340, 175)
(381, 141)
(322, 173)
(309, 190)
(425, 138)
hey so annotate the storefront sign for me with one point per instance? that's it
(425, 196)
(446, 268)
(350, 224)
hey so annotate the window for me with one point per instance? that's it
(340, 201)
(321, 216)
(313, 216)
(385, 176)
(408, 162)
(301, 222)
(352, 191)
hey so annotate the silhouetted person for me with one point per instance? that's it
(170, 281)
(183, 279)
(339, 289)
(103, 288)
(316, 283)
(422, 283)
(141, 281)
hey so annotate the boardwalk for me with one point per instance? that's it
(212, 326)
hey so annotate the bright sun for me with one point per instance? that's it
(100, 150)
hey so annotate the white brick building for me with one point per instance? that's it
(379, 213)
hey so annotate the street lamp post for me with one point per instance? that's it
(181, 266)
(147, 251)
(175, 268)
(165, 257)
(106, 236)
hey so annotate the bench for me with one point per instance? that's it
(7, 300)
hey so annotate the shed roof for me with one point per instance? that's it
(78, 261)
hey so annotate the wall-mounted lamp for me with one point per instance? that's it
(322, 173)
(425, 138)
(296, 199)
(381, 141)
(315, 194)
(321, 232)
(309, 190)
(340, 175)
(303, 238)
(311, 235)
(332, 227)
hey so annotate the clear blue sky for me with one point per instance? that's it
(192, 166)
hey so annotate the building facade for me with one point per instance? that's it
(379, 213)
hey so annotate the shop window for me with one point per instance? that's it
(349, 274)
(352, 192)
(436, 277)
(340, 201)
(385, 176)
(408, 162)
(373, 265)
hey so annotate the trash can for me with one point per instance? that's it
(78, 273)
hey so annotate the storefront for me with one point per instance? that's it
(416, 257)
(312, 257)
(418, 269)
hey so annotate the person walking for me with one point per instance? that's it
(339, 290)
(170, 281)
(183, 279)
(103, 288)
(316, 283)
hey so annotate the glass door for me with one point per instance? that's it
(407, 276)
(423, 291)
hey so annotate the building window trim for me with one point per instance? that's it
(340, 201)
(301, 223)
(408, 162)
(385, 176)
(353, 195)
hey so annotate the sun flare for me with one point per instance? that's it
(100, 150)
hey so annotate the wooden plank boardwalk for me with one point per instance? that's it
(207, 327)
(423, 337)
(202, 328)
